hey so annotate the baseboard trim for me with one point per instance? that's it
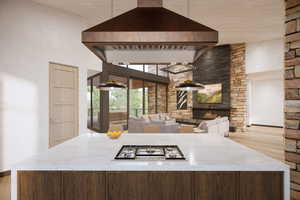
(265, 125)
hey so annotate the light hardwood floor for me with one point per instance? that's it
(267, 140)
(5, 188)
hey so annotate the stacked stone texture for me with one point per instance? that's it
(161, 98)
(172, 100)
(151, 98)
(292, 94)
(238, 88)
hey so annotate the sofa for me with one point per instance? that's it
(163, 120)
(218, 127)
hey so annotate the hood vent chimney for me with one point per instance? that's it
(148, 27)
(149, 3)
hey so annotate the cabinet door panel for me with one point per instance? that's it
(39, 185)
(150, 186)
(261, 185)
(83, 185)
(170, 186)
(216, 185)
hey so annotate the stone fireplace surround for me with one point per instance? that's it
(223, 64)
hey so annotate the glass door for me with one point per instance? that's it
(89, 99)
(95, 104)
(136, 98)
(118, 104)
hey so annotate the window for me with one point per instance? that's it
(136, 98)
(150, 69)
(122, 65)
(89, 98)
(136, 67)
(95, 103)
(118, 103)
(160, 72)
(114, 107)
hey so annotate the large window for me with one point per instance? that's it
(96, 103)
(118, 103)
(136, 67)
(147, 97)
(93, 98)
(149, 68)
(89, 99)
(152, 69)
(144, 96)
(136, 98)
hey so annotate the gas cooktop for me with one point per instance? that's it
(150, 152)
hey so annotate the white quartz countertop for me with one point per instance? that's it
(96, 152)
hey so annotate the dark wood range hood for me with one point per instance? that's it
(148, 27)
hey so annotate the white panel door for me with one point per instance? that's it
(63, 119)
(267, 102)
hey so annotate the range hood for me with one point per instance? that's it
(149, 27)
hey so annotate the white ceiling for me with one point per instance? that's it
(236, 20)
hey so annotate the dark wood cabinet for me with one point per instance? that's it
(79, 185)
(156, 185)
(216, 185)
(150, 186)
(261, 185)
(36, 185)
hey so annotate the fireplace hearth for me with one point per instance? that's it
(208, 114)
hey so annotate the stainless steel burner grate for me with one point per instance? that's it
(150, 152)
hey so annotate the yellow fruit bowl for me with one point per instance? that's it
(114, 134)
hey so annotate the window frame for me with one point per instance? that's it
(121, 71)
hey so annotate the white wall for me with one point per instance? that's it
(264, 56)
(264, 64)
(266, 99)
(31, 36)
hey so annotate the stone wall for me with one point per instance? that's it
(151, 89)
(238, 88)
(172, 101)
(213, 67)
(161, 98)
(292, 94)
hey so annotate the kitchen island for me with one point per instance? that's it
(214, 168)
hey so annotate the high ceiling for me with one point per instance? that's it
(236, 20)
